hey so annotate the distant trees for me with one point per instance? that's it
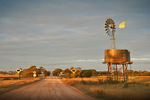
(3, 72)
(93, 72)
(79, 72)
(29, 71)
(66, 71)
(102, 73)
(12, 72)
(56, 72)
(86, 73)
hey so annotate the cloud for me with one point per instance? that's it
(90, 60)
(62, 31)
(141, 59)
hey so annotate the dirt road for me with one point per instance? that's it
(50, 88)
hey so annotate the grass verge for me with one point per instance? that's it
(7, 85)
(112, 90)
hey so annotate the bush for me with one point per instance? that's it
(7, 78)
(86, 73)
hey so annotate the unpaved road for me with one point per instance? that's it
(50, 88)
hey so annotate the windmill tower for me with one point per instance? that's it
(113, 56)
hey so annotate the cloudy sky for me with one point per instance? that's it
(66, 33)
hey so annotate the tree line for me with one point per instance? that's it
(29, 72)
(92, 72)
(79, 73)
(39, 71)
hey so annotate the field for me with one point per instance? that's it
(11, 82)
(138, 88)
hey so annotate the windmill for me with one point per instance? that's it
(113, 56)
(110, 29)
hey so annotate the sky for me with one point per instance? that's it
(70, 33)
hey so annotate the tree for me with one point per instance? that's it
(94, 72)
(29, 71)
(57, 71)
(66, 71)
(48, 73)
(71, 68)
(33, 67)
(87, 73)
(67, 75)
(79, 73)
(41, 70)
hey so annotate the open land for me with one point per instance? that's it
(138, 88)
(54, 88)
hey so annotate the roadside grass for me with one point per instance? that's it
(112, 90)
(13, 83)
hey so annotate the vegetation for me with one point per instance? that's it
(39, 71)
(79, 72)
(12, 83)
(7, 73)
(56, 72)
(27, 72)
(112, 90)
(96, 84)
(91, 73)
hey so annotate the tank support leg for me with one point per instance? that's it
(108, 72)
(123, 73)
(117, 72)
(126, 73)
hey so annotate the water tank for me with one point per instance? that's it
(117, 56)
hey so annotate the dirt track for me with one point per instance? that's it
(50, 88)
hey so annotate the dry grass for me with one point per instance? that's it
(17, 82)
(6, 85)
(120, 93)
(139, 79)
(137, 90)
(8, 75)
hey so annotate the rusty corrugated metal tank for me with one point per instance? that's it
(117, 56)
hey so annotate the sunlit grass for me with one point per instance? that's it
(139, 89)
(6, 85)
